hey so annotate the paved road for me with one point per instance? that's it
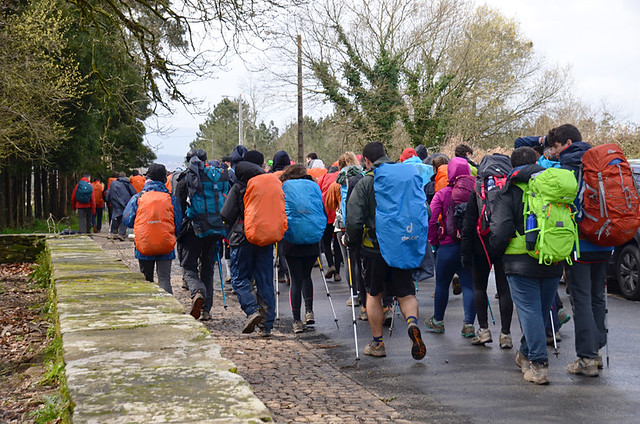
(458, 382)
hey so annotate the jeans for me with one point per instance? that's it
(481, 270)
(301, 284)
(589, 311)
(533, 298)
(96, 219)
(250, 262)
(199, 252)
(448, 263)
(163, 269)
(84, 220)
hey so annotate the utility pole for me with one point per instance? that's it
(300, 118)
(213, 145)
(240, 138)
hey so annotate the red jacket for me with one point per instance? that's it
(92, 204)
(325, 182)
(98, 190)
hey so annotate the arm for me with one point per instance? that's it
(230, 210)
(73, 198)
(436, 210)
(332, 197)
(469, 229)
(129, 216)
(356, 214)
(177, 214)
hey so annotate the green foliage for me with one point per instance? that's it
(41, 275)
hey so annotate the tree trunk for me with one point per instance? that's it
(3, 197)
(37, 191)
(10, 202)
(28, 192)
(46, 204)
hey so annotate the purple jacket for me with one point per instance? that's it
(457, 166)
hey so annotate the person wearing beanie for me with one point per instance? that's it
(280, 161)
(254, 156)
(154, 238)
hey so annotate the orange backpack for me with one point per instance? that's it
(154, 227)
(317, 173)
(265, 220)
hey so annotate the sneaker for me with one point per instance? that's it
(298, 327)
(227, 279)
(468, 330)
(563, 317)
(388, 316)
(375, 349)
(599, 360)
(205, 316)
(196, 305)
(584, 366)
(184, 285)
(418, 349)
(522, 362)
(355, 300)
(482, 336)
(309, 319)
(329, 272)
(362, 316)
(336, 277)
(505, 341)
(252, 320)
(437, 326)
(538, 373)
(457, 289)
(550, 339)
(264, 332)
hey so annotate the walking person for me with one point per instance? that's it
(96, 218)
(83, 199)
(118, 195)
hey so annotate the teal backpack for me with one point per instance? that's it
(551, 232)
(205, 204)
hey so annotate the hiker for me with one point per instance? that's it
(155, 216)
(300, 245)
(379, 275)
(533, 285)
(439, 178)
(200, 190)
(492, 175)
(83, 199)
(96, 218)
(114, 176)
(137, 180)
(280, 161)
(250, 261)
(463, 151)
(444, 237)
(118, 195)
(330, 244)
(587, 273)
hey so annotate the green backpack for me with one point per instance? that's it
(551, 232)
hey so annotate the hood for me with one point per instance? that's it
(383, 159)
(237, 155)
(280, 160)
(456, 167)
(315, 163)
(408, 153)
(522, 174)
(572, 155)
(85, 179)
(247, 170)
(124, 179)
(413, 160)
(348, 172)
(421, 151)
(153, 185)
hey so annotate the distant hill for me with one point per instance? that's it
(171, 162)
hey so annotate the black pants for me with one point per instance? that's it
(331, 248)
(197, 257)
(301, 285)
(480, 271)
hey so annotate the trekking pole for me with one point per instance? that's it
(553, 330)
(353, 308)
(224, 297)
(393, 317)
(326, 286)
(275, 276)
(606, 319)
(491, 311)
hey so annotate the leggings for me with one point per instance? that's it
(301, 285)
(334, 256)
(481, 270)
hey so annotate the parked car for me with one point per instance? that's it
(624, 267)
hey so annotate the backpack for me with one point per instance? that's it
(265, 219)
(548, 205)
(154, 225)
(609, 205)
(401, 215)
(457, 207)
(306, 219)
(83, 192)
(205, 203)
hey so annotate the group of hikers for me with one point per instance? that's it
(556, 206)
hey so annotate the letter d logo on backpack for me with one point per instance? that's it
(401, 215)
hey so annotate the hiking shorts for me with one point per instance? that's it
(380, 277)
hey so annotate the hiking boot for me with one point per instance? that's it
(468, 330)
(505, 341)
(355, 300)
(253, 320)
(362, 316)
(388, 316)
(263, 332)
(418, 349)
(538, 373)
(375, 349)
(550, 339)
(298, 327)
(336, 277)
(184, 285)
(436, 326)
(309, 319)
(483, 336)
(196, 305)
(227, 279)
(205, 316)
(563, 317)
(457, 289)
(599, 360)
(522, 362)
(329, 272)
(584, 366)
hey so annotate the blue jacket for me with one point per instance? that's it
(129, 217)
(530, 141)
(571, 159)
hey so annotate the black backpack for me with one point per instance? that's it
(492, 176)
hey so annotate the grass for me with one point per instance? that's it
(43, 226)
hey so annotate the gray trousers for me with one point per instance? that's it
(163, 269)
(84, 220)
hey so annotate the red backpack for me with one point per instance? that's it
(154, 224)
(610, 213)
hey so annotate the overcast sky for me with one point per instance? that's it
(599, 40)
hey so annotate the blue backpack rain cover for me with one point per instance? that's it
(306, 218)
(83, 193)
(205, 204)
(401, 214)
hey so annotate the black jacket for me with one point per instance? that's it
(507, 218)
